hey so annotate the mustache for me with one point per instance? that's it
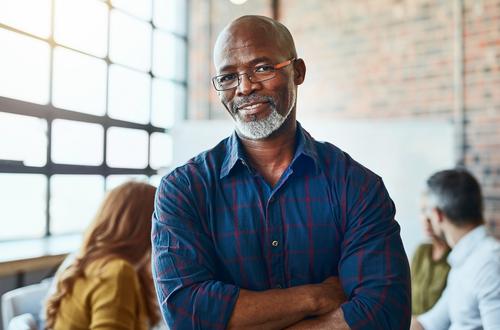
(252, 99)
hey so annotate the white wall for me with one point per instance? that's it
(403, 152)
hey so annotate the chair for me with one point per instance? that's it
(25, 300)
(23, 322)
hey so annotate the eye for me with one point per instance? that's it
(227, 78)
(264, 68)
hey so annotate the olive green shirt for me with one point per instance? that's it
(428, 278)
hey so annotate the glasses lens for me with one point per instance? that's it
(226, 81)
(263, 75)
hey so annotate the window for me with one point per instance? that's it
(89, 90)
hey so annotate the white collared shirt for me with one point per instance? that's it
(471, 300)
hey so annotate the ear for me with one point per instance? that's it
(299, 70)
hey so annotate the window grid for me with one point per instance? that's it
(50, 113)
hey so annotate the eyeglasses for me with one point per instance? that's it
(257, 74)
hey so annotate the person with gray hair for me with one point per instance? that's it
(471, 299)
(272, 229)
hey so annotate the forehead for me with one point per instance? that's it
(241, 47)
(245, 57)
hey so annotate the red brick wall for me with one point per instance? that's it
(482, 99)
(382, 59)
(374, 58)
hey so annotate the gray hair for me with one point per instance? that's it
(458, 195)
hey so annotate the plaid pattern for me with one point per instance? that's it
(218, 227)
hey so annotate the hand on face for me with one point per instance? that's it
(427, 226)
(425, 216)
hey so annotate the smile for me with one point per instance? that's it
(252, 108)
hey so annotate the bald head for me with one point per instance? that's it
(246, 31)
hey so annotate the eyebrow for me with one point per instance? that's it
(249, 64)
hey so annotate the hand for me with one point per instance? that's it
(415, 325)
(329, 295)
(329, 321)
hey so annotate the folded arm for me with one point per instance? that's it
(280, 308)
(333, 320)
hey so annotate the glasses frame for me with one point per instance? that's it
(251, 75)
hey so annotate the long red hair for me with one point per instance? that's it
(121, 229)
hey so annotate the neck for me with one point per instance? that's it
(454, 234)
(272, 155)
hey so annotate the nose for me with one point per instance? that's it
(246, 86)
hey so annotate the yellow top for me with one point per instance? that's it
(109, 297)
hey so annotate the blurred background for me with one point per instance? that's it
(93, 93)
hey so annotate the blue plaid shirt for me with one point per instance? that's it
(218, 227)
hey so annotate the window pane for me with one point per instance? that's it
(24, 67)
(169, 56)
(22, 205)
(83, 25)
(78, 143)
(168, 103)
(161, 150)
(129, 94)
(79, 82)
(130, 41)
(24, 139)
(127, 148)
(171, 15)
(32, 16)
(141, 9)
(114, 181)
(74, 201)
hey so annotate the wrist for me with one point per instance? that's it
(309, 299)
(317, 304)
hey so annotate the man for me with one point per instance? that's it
(471, 299)
(270, 228)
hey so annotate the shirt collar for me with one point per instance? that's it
(305, 147)
(466, 245)
(234, 151)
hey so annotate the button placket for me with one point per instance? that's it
(275, 240)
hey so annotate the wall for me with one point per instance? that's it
(384, 59)
(482, 99)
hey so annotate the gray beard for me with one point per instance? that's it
(260, 129)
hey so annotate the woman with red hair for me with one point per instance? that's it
(109, 285)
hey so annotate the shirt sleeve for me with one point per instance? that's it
(488, 296)
(114, 304)
(438, 317)
(373, 269)
(184, 264)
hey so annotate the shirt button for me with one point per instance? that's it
(275, 243)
